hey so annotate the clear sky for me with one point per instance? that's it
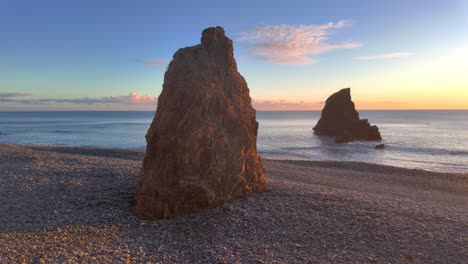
(111, 55)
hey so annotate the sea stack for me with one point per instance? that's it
(202, 144)
(340, 119)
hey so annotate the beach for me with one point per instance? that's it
(70, 204)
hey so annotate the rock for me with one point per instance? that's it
(344, 138)
(340, 119)
(201, 147)
(379, 146)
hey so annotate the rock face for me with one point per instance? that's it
(341, 120)
(201, 147)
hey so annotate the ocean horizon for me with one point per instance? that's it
(434, 140)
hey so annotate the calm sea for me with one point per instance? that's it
(430, 140)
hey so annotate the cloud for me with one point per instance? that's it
(136, 98)
(132, 98)
(153, 63)
(385, 56)
(285, 105)
(11, 95)
(293, 44)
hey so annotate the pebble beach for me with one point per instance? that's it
(76, 205)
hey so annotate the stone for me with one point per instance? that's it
(343, 138)
(379, 146)
(202, 144)
(340, 119)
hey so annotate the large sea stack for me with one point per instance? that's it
(202, 145)
(340, 119)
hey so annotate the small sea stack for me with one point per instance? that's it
(202, 144)
(340, 119)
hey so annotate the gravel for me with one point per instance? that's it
(75, 205)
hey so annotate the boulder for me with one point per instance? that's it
(340, 119)
(379, 146)
(202, 144)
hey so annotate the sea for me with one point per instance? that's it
(435, 140)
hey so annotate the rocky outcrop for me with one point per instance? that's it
(201, 147)
(379, 146)
(340, 119)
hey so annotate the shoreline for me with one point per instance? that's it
(74, 204)
(141, 152)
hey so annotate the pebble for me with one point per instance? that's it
(78, 208)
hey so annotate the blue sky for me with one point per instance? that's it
(117, 51)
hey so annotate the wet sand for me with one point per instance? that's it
(60, 204)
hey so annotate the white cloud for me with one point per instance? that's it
(136, 98)
(285, 105)
(294, 44)
(12, 95)
(384, 56)
(132, 98)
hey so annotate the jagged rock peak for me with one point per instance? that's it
(212, 35)
(343, 95)
(214, 39)
(215, 46)
(202, 144)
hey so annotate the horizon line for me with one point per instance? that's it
(284, 110)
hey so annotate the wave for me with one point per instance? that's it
(67, 132)
(283, 154)
(366, 146)
(393, 160)
(428, 162)
(300, 148)
(430, 151)
(458, 152)
(29, 122)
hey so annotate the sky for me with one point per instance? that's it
(112, 55)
